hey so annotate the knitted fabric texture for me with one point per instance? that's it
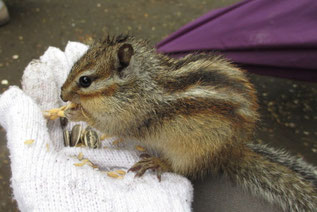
(44, 177)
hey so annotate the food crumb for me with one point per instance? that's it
(114, 175)
(116, 142)
(30, 141)
(80, 164)
(47, 147)
(121, 172)
(140, 148)
(55, 113)
(4, 82)
(80, 156)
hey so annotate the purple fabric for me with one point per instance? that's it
(276, 38)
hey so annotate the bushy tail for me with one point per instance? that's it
(281, 179)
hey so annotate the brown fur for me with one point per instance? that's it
(198, 112)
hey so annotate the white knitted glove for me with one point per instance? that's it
(44, 177)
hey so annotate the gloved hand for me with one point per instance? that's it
(44, 177)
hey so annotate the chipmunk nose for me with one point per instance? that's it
(64, 100)
(63, 97)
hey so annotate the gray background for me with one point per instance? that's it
(288, 108)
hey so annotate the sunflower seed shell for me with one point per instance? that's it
(91, 138)
(75, 135)
(66, 136)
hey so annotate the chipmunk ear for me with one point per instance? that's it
(125, 53)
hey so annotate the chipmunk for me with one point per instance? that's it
(198, 112)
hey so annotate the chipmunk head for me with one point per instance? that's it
(100, 70)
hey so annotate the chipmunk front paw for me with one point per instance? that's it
(150, 163)
(75, 114)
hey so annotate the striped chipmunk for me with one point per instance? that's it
(198, 112)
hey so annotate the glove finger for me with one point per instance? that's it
(39, 80)
(73, 51)
(23, 122)
(58, 64)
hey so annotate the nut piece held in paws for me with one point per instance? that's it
(55, 113)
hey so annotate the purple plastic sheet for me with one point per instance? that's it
(277, 38)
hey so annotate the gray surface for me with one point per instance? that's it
(221, 195)
(288, 108)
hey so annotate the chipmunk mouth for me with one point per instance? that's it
(75, 107)
(75, 112)
(72, 106)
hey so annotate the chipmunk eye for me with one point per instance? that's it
(84, 81)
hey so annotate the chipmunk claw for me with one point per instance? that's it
(149, 163)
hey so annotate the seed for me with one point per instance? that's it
(91, 138)
(54, 113)
(46, 114)
(75, 135)
(47, 147)
(66, 137)
(53, 117)
(54, 110)
(30, 141)
(80, 145)
(92, 165)
(113, 174)
(80, 156)
(121, 172)
(61, 113)
(80, 164)
(82, 137)
(85, 160)
(63, 107)
(140, 148)
(116, 142)
(51, 114)
(70, 106)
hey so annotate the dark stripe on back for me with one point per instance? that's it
(202, 77)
